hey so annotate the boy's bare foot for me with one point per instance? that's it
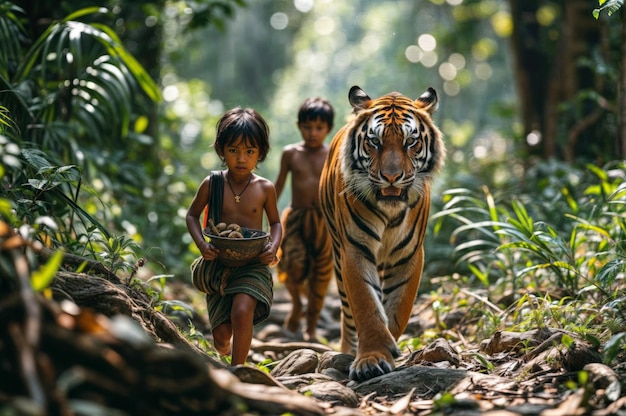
(311, 337)
(292, 322)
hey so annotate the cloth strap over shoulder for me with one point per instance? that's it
(216, 197)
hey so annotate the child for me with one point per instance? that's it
(237, 297)
(306, 266)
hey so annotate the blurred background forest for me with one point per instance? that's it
(108, 112)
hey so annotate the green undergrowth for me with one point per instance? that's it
(547, 253)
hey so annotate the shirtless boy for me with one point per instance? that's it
(240, 297)
(306, 265)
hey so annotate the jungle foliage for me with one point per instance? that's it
(94, 162)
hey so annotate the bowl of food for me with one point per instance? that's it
(237, 245)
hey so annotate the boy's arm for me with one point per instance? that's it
(276, 234)
(193, 220)
(282, 174)
(276, 229)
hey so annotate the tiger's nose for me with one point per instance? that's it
(391, 177)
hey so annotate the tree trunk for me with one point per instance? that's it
(531, 69)
(581, 35)
(563, 97)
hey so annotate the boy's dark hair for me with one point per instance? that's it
(316, 108)
(245, 123)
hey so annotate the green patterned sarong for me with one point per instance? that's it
(221, 283)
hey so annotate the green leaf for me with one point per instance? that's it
(610, 271)
(612, 6)
(85, 12)
(536, 267)
(613, 347)
(484, 361)
(586, 225)
(482, 227)
(483, 277)
(41, 279)
(567, 340)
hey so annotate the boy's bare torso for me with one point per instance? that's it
(306, 166)
(249, 212)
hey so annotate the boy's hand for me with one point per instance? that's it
(208, 251)
(268, 256)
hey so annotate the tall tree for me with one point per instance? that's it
(567, 90)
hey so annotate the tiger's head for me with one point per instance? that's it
(391, 148)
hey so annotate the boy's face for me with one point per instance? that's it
(313, 132)
(241, 156)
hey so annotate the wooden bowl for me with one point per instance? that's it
(237, 252)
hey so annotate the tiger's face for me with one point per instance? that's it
(393, 147)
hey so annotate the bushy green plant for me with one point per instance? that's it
(72, 99)
(557, 248)
(499, 237)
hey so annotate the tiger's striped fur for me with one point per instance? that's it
(375, 195)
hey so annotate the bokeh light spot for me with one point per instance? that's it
(533, 138)
(483, 71)
(325, 25)
(457, 60)
(447, 71)
(502, 24)
(546, 15)
(429, 59)
(427, 42)
(303, 5)
(451, 88)
(484, 48)
(413, 53)
(279, 21)
(170, 93)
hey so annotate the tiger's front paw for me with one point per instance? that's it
(372, 364)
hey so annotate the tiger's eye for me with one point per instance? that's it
(374, 141)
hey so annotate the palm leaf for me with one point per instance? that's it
(92, 72)
(12, 32)
(611, 6)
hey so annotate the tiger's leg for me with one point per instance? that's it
(399, 310)
(376, 347)
(348, 330)
(399, 302)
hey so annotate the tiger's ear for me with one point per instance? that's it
(428, 101)
(359, 100)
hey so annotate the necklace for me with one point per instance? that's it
(238, 197)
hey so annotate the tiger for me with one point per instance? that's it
(375, 197)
